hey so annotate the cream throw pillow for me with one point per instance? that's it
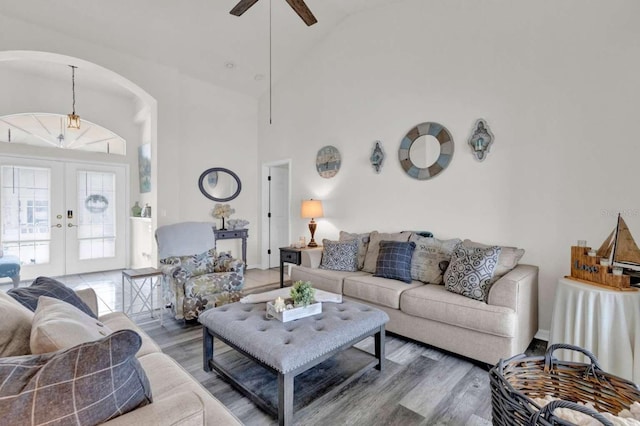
(371, 258)
(509, 258)
(431, 258)
(60, 325)
(16, 327)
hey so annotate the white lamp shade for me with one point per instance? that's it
(311, 209)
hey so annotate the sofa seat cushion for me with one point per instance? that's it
(435, 303)
(119, 321)
(323, 279)
(381, 291)
(167, 378)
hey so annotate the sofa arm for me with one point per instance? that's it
(518, 284)
(88, 296)
(180, 408)
(311, 257)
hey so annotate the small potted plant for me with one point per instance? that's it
(302, 293)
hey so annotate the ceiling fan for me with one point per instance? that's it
(297, 5)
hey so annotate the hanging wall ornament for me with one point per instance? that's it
(481, 140)
(377, 157)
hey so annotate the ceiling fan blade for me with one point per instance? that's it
(303, 11)
(242, 7)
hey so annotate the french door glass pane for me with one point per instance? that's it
(26, 209)
(96, 214)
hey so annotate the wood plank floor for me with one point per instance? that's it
(420, 385)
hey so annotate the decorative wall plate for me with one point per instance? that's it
(446, 150)
(328, 161)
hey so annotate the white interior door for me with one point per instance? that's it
(96, 217)
(279, 208)
(63, 218)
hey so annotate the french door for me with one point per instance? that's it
(63, 217)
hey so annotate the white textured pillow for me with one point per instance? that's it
(431, 258)
(509, 258)
(16, 327)
(60, 325)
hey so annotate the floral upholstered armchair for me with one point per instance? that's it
(195, 282)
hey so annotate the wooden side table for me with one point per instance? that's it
(137, 280)
(231, 234)
(292, 255)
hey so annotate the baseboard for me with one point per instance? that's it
(542, 335)
(254, 267)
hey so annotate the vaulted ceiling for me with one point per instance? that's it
(199, 37)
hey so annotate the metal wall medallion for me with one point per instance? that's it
(446, 150)
(481, 139)
(377, 157)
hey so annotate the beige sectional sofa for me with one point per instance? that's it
(178, 398)
(500, 328)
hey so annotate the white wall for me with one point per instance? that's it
(181, 147)
(556, 81)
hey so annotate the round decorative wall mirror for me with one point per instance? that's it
(426, 150)
(219, 184)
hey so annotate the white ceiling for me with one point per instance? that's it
(199, 37)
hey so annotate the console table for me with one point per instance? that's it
(232, 234)
(605, 322)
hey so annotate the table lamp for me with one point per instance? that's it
(311, 209)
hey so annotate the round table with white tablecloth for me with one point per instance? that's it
(605, 322)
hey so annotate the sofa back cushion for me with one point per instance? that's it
(509, 258)
(431, 258)
(471, 270)
(15, 328)
(85, 385)
(394, 260)
(339, 255)
(371, 259)
(45, 286)
(363, 244)
(58, 325)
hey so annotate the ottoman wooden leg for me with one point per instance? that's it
(285, 399)
(207, 349)
(379, 348)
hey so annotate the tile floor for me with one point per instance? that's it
(108, 286)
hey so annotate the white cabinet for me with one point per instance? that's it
(141, 242)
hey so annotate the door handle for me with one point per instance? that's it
(71, 225)
(58, 225)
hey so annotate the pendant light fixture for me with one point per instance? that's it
(73, 120)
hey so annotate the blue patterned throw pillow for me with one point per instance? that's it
(340, 255)
(394, 260)
(471, 270)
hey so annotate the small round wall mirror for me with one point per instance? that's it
(426, 150)
(219, 184)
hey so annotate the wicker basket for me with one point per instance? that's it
(514, 381)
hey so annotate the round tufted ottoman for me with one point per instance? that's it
(290, 348)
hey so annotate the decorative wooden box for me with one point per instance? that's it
(588, 269)
(295, 313)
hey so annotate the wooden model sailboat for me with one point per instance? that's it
(620, 247)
